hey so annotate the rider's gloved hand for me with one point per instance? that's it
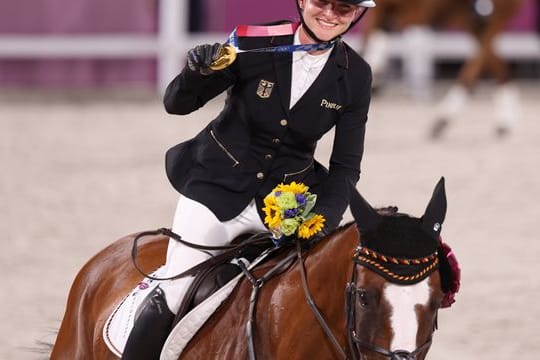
(316, 237)
(200, 57)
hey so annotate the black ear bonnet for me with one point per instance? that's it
(401, 248)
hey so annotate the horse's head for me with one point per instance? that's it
(396, 290)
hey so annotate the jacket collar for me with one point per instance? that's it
(332, 71)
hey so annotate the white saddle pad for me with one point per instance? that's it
(119, 324)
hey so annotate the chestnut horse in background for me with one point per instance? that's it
(383, 270)
(483, 19)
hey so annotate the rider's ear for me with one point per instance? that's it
(435, 213)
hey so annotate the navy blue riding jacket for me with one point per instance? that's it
(257, 142)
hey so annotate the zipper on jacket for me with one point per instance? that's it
(285, 176)
(236, 162)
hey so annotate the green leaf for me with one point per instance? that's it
(307, 216)
(311, 199)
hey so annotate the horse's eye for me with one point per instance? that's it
(363, 298)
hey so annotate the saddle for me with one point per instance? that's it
(214, 275)
(210, 280)
(215, 281)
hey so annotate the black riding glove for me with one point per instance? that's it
(200, 57)
(313, 240)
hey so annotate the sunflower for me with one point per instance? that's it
(272, 211)
(297, 188)
(311, 226)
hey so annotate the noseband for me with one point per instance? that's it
(392, 355)
(376, 262)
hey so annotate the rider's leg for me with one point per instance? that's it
(151, 328)
(194, 223)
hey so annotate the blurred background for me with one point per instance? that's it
(83, 134)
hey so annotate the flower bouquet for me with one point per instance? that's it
(287, 211)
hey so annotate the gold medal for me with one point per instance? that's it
(227, 55)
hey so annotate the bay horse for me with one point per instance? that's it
(484, 20)
(381, 269)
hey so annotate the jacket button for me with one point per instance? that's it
(268, 156)
(283, 122)
(260, 175)
(276, 141)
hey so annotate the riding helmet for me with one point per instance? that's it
(363, 3)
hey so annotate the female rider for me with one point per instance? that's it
(278, 105)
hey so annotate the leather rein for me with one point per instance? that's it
(227, 251)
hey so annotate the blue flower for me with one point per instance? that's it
(290, 213)
(301, 199)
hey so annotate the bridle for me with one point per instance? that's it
(365, 256)
(355, 343)
(392, 355)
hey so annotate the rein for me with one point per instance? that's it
(228, 250)
(274, 271)
(313, 306)
(257, 284)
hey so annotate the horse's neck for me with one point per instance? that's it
(333, 256)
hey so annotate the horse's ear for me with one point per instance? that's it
(433, 217)
(365, 216)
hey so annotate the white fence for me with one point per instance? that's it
(419, 50)
(172, 41)
(168, 46)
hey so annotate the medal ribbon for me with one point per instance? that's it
(273, 30)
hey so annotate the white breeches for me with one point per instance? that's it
(195, 223)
